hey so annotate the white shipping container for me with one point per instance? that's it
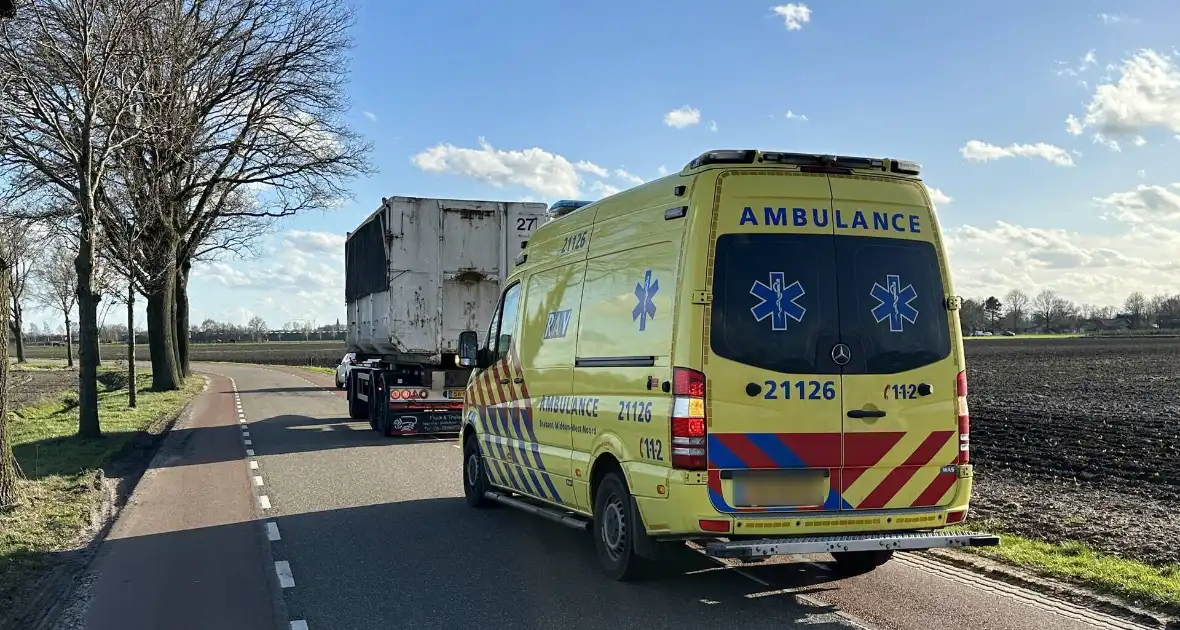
(420, 271)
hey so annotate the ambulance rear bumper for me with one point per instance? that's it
(865, 542)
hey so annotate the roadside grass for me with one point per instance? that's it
(1073, 561)
(1032, 336)
(60, 488)
(317, 369)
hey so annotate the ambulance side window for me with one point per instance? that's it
(506, 317)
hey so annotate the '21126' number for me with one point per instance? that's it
(805, 390)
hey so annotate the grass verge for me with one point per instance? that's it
(1075, 562)
(318, 370)
(60, 488)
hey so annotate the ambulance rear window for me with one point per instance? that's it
(774, 302)
(891, 304)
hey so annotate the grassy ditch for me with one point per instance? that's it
(330, 371)
(1075, 562)
(60, 481)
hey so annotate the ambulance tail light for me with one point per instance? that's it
(964, 418)
(689, 428)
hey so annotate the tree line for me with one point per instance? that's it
(140, 137)
(1047, 311)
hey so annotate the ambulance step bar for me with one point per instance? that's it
(861, 542)
(544, 511)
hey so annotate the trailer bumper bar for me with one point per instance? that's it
(865, 542)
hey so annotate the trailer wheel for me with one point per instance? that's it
(357, 410)
(475, 475)
(850, 563)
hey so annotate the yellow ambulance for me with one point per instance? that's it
(760, 353)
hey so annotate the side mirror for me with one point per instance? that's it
(468, 349)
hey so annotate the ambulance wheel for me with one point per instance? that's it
(849, 563)
(475, 476)
(614, 530)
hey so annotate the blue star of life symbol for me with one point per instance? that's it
(644, 292)
(894, 303)
(777, 301)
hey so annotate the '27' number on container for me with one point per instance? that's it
(526, 223)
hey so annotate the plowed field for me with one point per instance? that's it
(1079, 439)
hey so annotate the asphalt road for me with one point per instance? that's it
(324, 523)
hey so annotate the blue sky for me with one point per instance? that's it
(981, 95)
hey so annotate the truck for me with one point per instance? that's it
(419, 271)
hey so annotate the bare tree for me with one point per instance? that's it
(1045, 306)
(1136, 306)
(251, 125)
(56, 289)
(256, 326)
(9, 489)
(70, 78)
(1017, 302)
(20, 241)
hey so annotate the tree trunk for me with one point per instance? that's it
(69, 343)
(182, 319)
(18, 325)
(9, 490)
(131, 385)
(161, 303)
(88, 425)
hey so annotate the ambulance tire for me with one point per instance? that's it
(850, 563)
(614, 530)
(475, 475)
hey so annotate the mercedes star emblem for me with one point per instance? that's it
(841, 354)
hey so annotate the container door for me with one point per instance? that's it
(470, 262)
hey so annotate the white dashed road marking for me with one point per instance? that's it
(272, 531)
(264, 501)
(249, 443)
(253, 465)
(283, 569)
(258, 480)
(299, 624)
(250, 452)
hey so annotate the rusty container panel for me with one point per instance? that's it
(447, 261)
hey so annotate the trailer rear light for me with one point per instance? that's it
(964, 418)
(689, 426)
(395, 394)
(714, 526)
(423, 394)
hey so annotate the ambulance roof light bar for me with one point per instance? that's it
(807, 161)
(564, 207)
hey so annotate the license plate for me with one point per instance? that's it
(779, 488)
(456, 394)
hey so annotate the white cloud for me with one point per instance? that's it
(1138, 141)
(937, 197)
(1145, 204)
(1146, 95)
(592, 168)
(1089, 60)
(1113, 145)
(315, 242)
(794, 15)
(536, 169)
(371, 116)
(793, 116)
(713, 126)
(683, 117)
(1142, 173)
(599, 189)
(629, 177)
(1114, 18)
(1089, 268)
(978, 151)
(662, 170)
(301, 276)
